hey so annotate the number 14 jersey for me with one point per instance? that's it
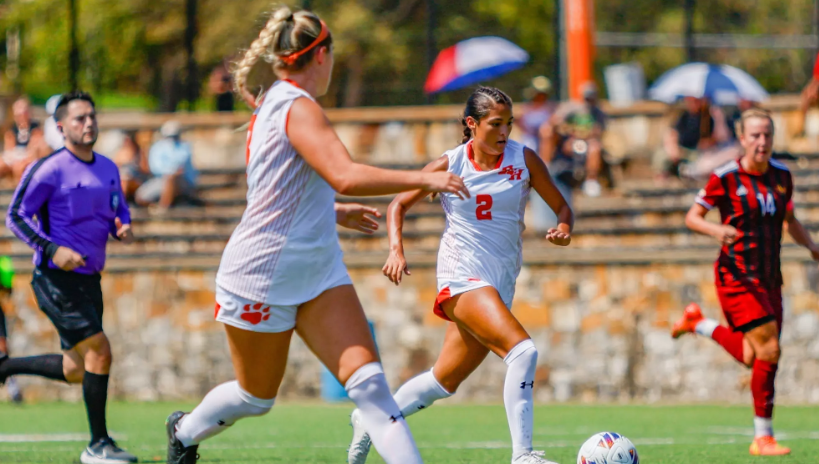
(482, 244)
(755, 204)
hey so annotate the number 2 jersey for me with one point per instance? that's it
(482, 245)
(755, 204)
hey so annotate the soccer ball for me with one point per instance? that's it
(608, 448)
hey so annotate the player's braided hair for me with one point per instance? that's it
(284, 33)
(479, 104)
(752, 113)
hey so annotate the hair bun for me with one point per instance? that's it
(283, 14)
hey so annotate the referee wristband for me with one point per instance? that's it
(50, 249)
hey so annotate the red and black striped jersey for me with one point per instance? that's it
(755, 204)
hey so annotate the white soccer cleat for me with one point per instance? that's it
(14, 391)
(360, 446)
(532, 457)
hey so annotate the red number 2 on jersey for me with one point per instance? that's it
(483, 212)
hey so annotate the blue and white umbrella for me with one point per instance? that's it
(722, 84)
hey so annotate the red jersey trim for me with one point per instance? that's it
(471, 155)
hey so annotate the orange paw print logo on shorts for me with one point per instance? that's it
(255, 313)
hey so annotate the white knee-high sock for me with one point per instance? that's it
(220, 409)
(517, 395)
(419, 392)
(381, 417)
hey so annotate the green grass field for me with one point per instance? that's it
(445, 434)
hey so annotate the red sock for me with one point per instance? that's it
(730, 340)
(762, 387)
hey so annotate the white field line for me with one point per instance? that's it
(658, 441)
(50, 437)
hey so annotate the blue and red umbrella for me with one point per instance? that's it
(472, 61)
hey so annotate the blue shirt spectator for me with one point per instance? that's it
(170, 163)
(170, 155)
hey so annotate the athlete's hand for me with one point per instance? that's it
(357, 217)
(396, 267)
(124, 232)
(726, 235)
(445, 182)
(559, 238)
(67, 259)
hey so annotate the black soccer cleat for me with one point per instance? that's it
(3, 358)
(177, 452)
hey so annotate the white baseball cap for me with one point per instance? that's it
(51, 104)
(171, 128)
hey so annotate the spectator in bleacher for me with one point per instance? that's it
(571, 145)
(536, 113)
(174, 177)
(809, 98)
(532, 123)
(698, 137)
(574, 135)
(23, 143)
(734, 116)
(222, 87)
(133, 165)
(53, 136)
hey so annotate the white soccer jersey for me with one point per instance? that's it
(285, 250)
(482, 244)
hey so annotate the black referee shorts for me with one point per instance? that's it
(72, 301)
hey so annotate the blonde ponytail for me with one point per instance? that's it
(284, 33)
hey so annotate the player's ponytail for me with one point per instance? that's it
(287, 40)
(479, 104)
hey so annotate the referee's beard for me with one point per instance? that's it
(86, 140)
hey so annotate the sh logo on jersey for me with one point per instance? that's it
(514, 174)
(742, 191)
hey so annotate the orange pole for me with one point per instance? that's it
(579, 45)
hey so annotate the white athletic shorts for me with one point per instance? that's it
(233, 310)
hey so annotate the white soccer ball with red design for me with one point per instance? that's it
(608, 448)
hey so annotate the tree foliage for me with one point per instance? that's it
(135, 47)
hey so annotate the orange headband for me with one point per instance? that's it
(291, 58)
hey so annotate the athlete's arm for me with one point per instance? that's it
(357, 217)
(120, 226)
(34, 190)
(541, 181)
(712, 195)
(695, 220)
(396, 265)
(800, 235)
(311, 134)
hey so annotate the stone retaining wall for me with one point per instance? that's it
(602, 332)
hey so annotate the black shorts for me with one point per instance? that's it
(3, 332)
(72, 301)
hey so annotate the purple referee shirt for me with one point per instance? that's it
(74, 202)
